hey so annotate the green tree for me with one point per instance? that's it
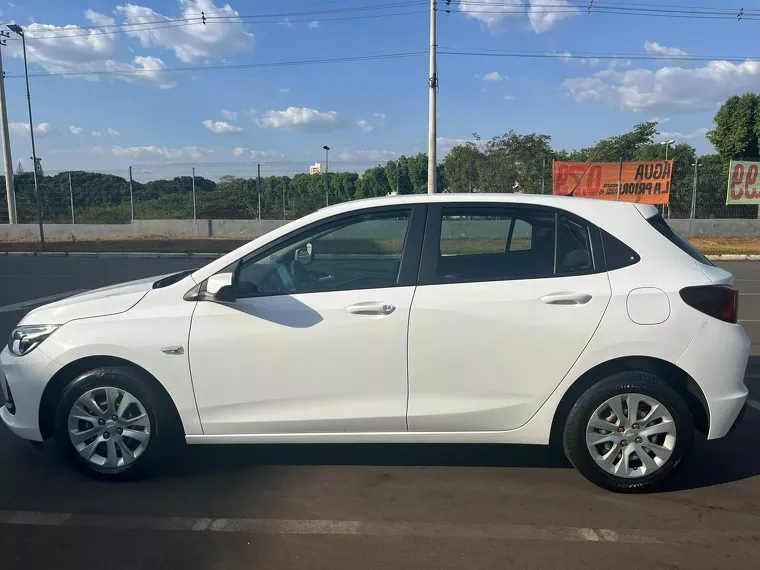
(373, 183)
(737, 128)
(460, 167)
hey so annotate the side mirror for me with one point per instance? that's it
(305, 254)
(220, 288)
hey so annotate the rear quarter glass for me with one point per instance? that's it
(662, 227)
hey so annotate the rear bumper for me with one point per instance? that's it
(716, 359)
(26, 378)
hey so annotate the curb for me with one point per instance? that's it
(113, 254)
(176, 255)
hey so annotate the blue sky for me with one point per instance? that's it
(366, 110)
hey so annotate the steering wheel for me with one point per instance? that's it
(302, 278)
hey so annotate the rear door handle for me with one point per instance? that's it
(371, 308)
(566, 298)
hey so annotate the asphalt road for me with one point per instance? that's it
(368, 506)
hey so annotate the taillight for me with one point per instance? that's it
(719, 301)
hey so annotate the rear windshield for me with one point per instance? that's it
(684, 245)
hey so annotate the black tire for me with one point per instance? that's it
(574, 437)
(162, 423)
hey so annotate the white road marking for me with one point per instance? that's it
(379, 528)
(38, 301)
(754, 404)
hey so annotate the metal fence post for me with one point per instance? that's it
(620, 179)
(131, 199)
(71, 197)
(543, 171)
(194, 205)
(284, 190)
(258, 189)
(693, 195)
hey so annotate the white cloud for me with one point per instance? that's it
(21, 129)
(545, 14)
(162, 152)
(221, 127)
(283, 90)
(542, 14)
(74, 130)
(231, 115)
(72, 49)
(446, 144)
(509, 97)
(314, 24)
(224, 32)
(491, 12)
(660, 120)
(287, 23)
(493, 76)
(698, 134)
(113, 132)
(654, 48)
(569, 58)
(240, 151)
(668, 88)
(368, 126)
(299, 119)
(96, 133)
(371, 155)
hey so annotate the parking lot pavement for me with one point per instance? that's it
(368, 506)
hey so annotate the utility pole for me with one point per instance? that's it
(7, 160)
(432, 116)
(694, 193)
(620, 179)
(20, 31)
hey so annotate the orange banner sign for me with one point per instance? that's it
(644, 182)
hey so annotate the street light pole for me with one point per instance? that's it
(432, 112)
(667, 147)
(7, 161)
(19, 30)
(327, 169)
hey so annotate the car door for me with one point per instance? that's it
(316, 339)
(507, 300)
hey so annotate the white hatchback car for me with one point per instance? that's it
(474, 318)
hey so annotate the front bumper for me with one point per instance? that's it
(26, 377)
(716, 359)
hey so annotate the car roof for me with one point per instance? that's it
(582, 207)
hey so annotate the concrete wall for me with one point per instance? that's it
(249, 229)
(724, 227)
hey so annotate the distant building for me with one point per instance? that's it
(315, 168)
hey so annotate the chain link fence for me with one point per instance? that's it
(289, 190)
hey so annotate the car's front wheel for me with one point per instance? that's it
(628, 432)
(110, 423)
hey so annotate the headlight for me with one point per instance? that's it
(25, 339)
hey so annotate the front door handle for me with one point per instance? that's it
(371, 308)
(566, 298)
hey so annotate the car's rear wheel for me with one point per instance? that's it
(110, 423)
(628, 432)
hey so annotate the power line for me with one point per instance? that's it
(151, 70)
(580, 56)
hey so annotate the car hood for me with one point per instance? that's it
(96, 303)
